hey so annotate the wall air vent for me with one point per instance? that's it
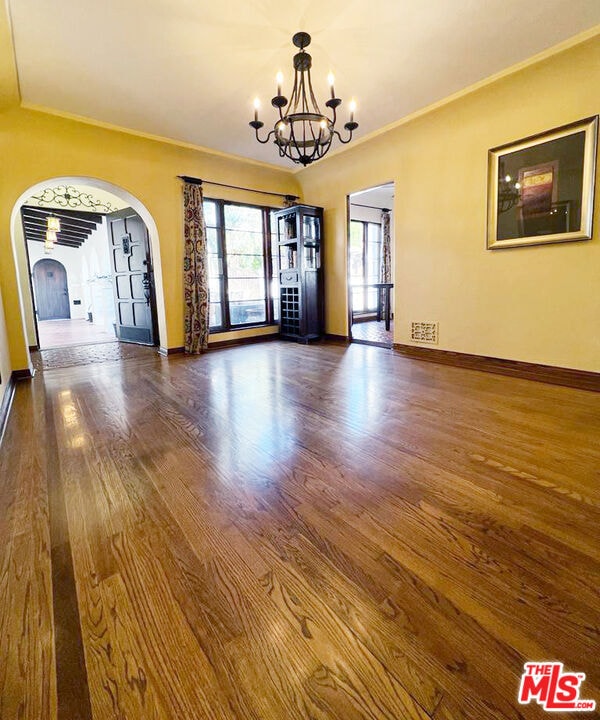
(424, 332)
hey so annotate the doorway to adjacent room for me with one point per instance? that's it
(84, 255)
(370, 266)
(92, 277)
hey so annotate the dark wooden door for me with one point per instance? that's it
(51, 291)
(133, 279)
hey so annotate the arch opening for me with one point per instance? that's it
(24, 285)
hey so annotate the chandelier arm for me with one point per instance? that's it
(341, 139)
(266, 140)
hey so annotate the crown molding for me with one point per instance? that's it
(155, 138)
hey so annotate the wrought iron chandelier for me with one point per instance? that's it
(303, 134)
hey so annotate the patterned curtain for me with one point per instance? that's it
(195, 270)
(386, 248)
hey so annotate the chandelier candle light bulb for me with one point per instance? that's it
(302, 132)
(53, 223)
(352, 109)
(49, 241)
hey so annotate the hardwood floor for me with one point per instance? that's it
(291, 532)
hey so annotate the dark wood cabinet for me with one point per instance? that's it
(300, 245)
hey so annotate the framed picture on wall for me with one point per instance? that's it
(541, 189)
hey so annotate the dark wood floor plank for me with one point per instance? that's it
(73, 697)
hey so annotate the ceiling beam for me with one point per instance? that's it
(40, 227)
(68, 226)
(38, 235)
(95, 218)
(34, 233)
(65, 243)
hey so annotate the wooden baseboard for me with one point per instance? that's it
(581, 379)
(26, 374)
(6, 403)
(336, 339)
(242, 341)
(165, 352)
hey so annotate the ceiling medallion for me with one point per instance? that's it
(67, 196)
(303, 133)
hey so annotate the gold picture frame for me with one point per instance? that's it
(541, 188)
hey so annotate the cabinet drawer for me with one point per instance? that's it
(289, 276)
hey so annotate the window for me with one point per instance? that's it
(240, 265)
(365, 264)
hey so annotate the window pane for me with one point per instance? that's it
(374, 262)
(246, 289)
(358, 302)
(214, 289)
(215, 316)
(212, 240)
(371, 299)
(242, 217)
(356, 253)
(245, 266)
(244, 242)
(247, 313)
(210, 212)
(356, 231)
(214, 266)
(374, 232)
(373, 252)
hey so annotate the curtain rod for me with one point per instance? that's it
(371, 207)
(198, 181)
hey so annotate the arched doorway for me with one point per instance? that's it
(151, 263)
(51, 290)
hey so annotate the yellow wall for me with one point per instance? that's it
(37, 146)
(536, 304)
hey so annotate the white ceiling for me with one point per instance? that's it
(189, 69)
(381, 196)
